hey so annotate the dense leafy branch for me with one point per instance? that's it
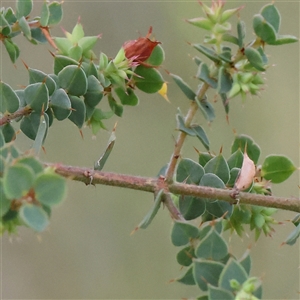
(225, 193)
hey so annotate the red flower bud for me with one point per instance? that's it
(139, 50)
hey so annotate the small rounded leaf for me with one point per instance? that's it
(32, 163)
(56, 13)
(9, 101)
(219, 167)
(127, 97)
(24, 8)
(61, 61)
(185, 256)
(277, 168)
(148, 80)
(263, 29)
(207, 272)
(157, 56)
(17, 181)
(232, 270)
(244, 141)
(271, 15)
(34, 217)
(191, 207)
(182, 232)
(50, 189)
(12, 49)
(60, 104)
(8, 132)
(39, 76)
(36, 95)
(30, 125)
(212, 247)
(78, 111)
(44, 14)
(73, 80)
(189, 171)
(94, 92)
(255, 58)
(188, 277)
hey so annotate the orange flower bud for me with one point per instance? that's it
(139, 50)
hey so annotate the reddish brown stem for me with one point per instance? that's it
(148, 184)
(182, 135)
(24, 111)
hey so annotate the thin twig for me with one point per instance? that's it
(24, 111)
(182, 135)
(149, 184)
(175, 213)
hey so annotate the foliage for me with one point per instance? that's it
(75, 90)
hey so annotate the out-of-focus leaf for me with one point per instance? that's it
(34, 216)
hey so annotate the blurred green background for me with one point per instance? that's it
(88, 253)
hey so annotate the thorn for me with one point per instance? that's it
(26, 66)
(221, 149)
(198, 152)
(63, 30)
(227, 119)
(81, 133)
(134, 231)
(53, 55)
(149, 32)
(168, 72)
(115, 126)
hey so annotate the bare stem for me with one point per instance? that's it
(182, 135)
(24, 111)
(149, 184)
(175, 213)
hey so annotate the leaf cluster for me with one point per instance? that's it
(72, 92)
(15, 22)
(75, 90)
(233, 71)
(28, 190)
(208, 263)
(217, 172)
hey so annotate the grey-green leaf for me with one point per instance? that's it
(152, 213)
(9, 101)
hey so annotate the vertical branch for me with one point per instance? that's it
(182, 135)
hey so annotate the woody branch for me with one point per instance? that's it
(152, 185)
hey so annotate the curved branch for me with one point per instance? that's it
(149, 184)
